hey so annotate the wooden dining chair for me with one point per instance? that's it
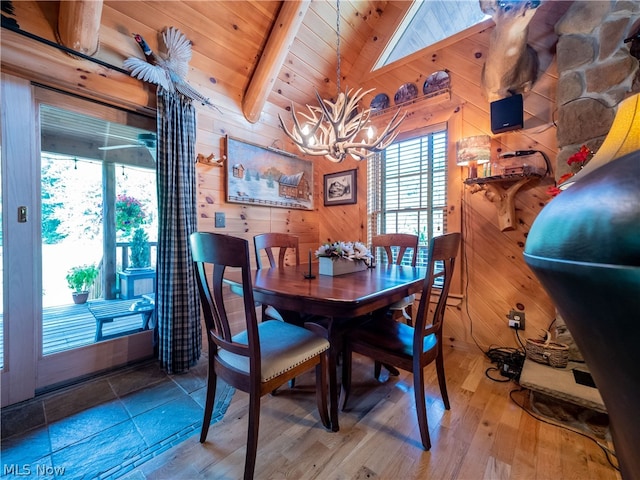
(410, 348)
(268, 243)
(400, 243)
(260, 357)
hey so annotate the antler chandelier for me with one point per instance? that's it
(337, 129)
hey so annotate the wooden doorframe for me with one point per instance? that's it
(26, 371)
(21, 282)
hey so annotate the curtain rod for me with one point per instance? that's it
(10, 24)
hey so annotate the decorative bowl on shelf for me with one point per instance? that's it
(406, 93)
(436, 82)
(379, 102)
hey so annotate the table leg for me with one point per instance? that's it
(333, 387)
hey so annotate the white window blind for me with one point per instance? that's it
(407, 188)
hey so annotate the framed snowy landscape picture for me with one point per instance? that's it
(263, 176)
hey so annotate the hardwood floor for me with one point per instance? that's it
(485, 435)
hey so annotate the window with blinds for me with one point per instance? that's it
(407, 188)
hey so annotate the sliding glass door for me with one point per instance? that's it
(90, 196)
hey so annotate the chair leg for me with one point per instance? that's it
(321, 390)
(346, 376)
(377, 369)
(421, 407)
(442, 381)
(212, 379)
(329, 332)
(252, 437)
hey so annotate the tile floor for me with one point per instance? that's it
(106, 427)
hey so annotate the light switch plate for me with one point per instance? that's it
(219, 220)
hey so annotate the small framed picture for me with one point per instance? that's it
(341, 188)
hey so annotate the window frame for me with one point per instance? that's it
(377, 210)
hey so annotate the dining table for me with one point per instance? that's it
(328, 304)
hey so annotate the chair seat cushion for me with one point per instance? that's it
(404, 303)
(395, 337)
(282, 347)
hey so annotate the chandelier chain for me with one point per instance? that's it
(338, 74)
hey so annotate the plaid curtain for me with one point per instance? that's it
(177, 307)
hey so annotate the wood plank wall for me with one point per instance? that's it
(495, 278)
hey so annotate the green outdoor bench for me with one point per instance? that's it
(107, 311)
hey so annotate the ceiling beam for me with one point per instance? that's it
(282, 35)
(79, 25)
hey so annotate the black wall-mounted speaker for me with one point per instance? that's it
(507, 114)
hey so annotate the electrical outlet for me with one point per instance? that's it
(516, 319)
(219, 222)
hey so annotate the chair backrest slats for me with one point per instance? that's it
(212, 252)
(269, 241)
(401, 241)
(441, 249)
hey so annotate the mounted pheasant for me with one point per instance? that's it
(167, 71)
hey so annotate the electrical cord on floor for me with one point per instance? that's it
(496, 379)
(508, 362)
(606, 450)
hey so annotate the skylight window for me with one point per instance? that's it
(428, 22)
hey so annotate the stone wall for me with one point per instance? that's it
(596, 71)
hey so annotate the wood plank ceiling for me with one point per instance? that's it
(229, 38)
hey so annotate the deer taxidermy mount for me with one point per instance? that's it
(511, 66)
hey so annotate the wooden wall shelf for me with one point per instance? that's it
(502, 189)
(431, 100)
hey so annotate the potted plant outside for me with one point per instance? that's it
(140, 256)
(80, 279)
(139, 277)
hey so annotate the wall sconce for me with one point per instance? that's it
(623, 138)
(473, 151)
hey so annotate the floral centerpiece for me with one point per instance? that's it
(348, 250)
(339, 258)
